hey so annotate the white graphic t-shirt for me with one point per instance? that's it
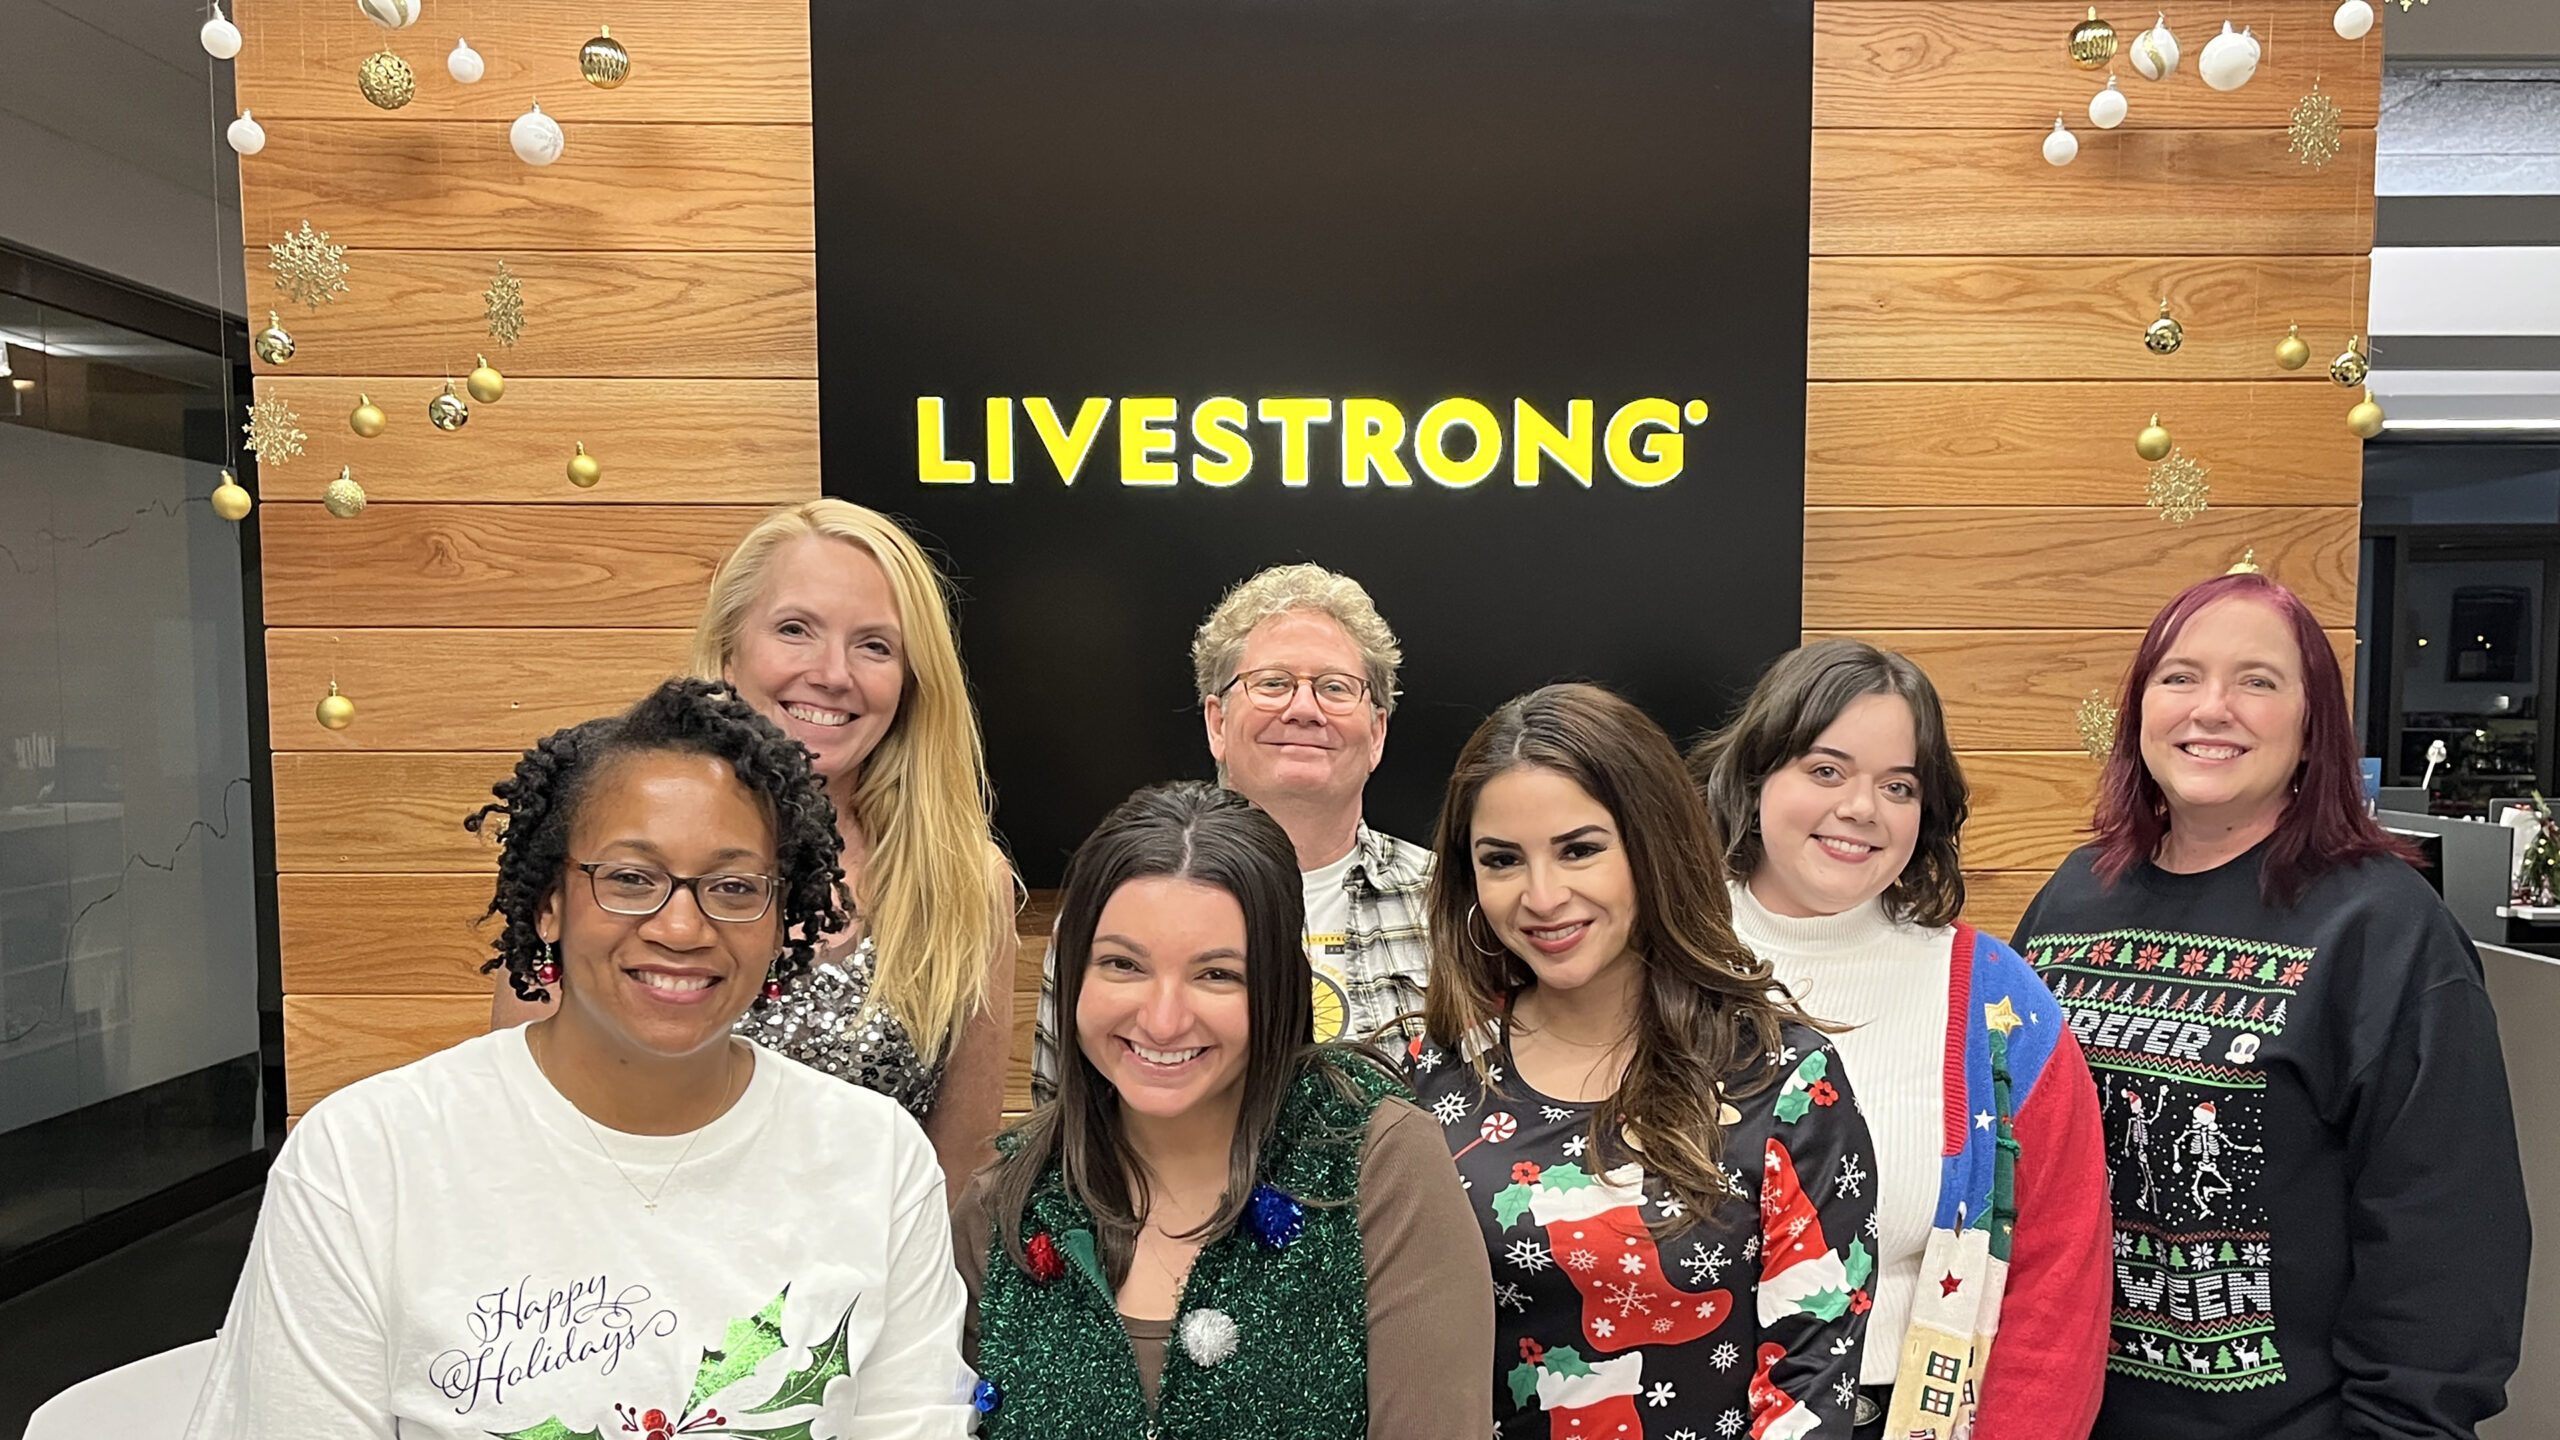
(448, 1249)
(1328, 941)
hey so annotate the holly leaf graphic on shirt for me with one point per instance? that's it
(831, 1358)
(1565, 1360)
(1524, 1383)
(1825, 1304)
(747, 1344)
(1567, 1176)
(1798, 1096)
(550, 1429)
(1860, 1263)
(1513, 1200)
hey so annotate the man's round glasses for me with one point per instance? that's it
(1336, 693)
(626, 887)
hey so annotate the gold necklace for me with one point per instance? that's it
(649, 1198)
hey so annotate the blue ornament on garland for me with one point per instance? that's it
(1274, 1217)
(986, 1397)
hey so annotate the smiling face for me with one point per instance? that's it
(1162, 1012)
(672, 983)
(822, 652)
(1552, 876)
(1839, 822)
(1297, 753)
(2222, 718)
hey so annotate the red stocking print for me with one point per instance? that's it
(1596, 1231)
(1583, 1400)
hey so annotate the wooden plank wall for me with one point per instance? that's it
(1977, 380)
(1977, 372)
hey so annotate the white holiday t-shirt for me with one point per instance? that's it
(1329, 942)
(449, 1249)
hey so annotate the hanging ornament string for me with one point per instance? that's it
(221, 325)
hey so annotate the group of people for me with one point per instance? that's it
(1661, 1096)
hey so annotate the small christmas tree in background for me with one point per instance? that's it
(2538, 879)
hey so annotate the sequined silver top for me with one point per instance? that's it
(821, 1021)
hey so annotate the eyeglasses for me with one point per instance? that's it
(626, 887)
(1336, 693)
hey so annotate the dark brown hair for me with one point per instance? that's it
(1705, 1013)
(1803, 694)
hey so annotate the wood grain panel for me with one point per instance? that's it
(384, 934)
(1956, 568)
(1996, 64)
(596, 566)
(332, 1041)
(1908, 318)
(452, 184)
(659, 441)
(2138, 192)
(1994, 899)
(496, 690)
(2022, 689)
(655, 314)
(749, 61)
(2028, 810)
(357, 813)
(2071, 443)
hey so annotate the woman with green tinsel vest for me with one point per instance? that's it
(1217, 1228)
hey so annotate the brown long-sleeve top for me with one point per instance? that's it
(1430, 1285)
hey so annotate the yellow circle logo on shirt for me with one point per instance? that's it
(1332, 1011)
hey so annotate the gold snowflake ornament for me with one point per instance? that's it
(2097, 721)
(308, 268)
(274, 431)
(505, 299)
(2313, 134)
(2178, 487)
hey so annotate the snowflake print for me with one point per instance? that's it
(1575, 1146)
(1492, 1076)
(1528, 1255)
(2191, 963)
(1632, 1264)
(2148, 957)
(1786, 1054)
(1850, 1178)
(1662, 1327)
(1629, 1298)
(1670, 1206)
(1872, 1231)
(1705, 1266)
(1724, 1356)
(1751, 1249)
(1582, 1260)
(2199, 1256)
(1729, 1424)
(1845, 1390)
(1449, 1109)
(2102, 952)
(2255, 1254)
(2124, 1243)
(1733, 1181)
(1428, 1060)
(1511, 1295)
(1796, 1225)
(2292, 974)
(1686, 1435)
(1604, 1327)
(1554, 1112)
(1840, 1346)
(1660, 1395)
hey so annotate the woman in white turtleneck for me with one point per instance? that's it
(1841, 802)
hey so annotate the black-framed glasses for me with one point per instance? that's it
(627, 887)
(1273, 689)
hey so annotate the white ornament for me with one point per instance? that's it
(536, 137)
(2061, 147)
(2155, 51)
(1208, 1337)
(246, 135)
(390, 14)
(2229, 59)
(2107, 107)
(2353, 21)
(220, 38)
(464, 64)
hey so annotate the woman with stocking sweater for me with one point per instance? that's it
(1840, 802)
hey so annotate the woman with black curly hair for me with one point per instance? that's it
(621, 1219)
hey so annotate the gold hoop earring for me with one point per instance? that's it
(1470, 928)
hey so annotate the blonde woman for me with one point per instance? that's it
(831, 621)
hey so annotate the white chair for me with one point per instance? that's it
(150, 1399)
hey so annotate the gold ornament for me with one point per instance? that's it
(274, 431)
(367, 419)
(2364, 417)
(2165, 334)
(446, 411)
(505, 300)
(2178, 488)
(2097, 722)
(2093, 42)
(344, 498)
(230, 501)
(2313, 134)
(272, 344)
(2291, 352)
(386, 80)
(486, 384)
(2351, 367)
(335, 711)
(2153, 442)
(307, 267)
(584, 472)
(603, 60)
(2247, 564)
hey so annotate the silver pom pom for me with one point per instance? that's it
(1208, 1337)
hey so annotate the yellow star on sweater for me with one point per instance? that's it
(2002, 1017)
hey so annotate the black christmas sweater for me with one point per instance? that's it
(2320, 1224)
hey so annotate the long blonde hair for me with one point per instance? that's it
(923, 801)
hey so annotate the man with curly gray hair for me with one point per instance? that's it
(1296, 673)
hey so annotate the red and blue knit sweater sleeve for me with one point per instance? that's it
(2047, 1368)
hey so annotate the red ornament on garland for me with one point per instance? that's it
(1047, 1265)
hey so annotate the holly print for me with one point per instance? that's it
(744, 1345)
